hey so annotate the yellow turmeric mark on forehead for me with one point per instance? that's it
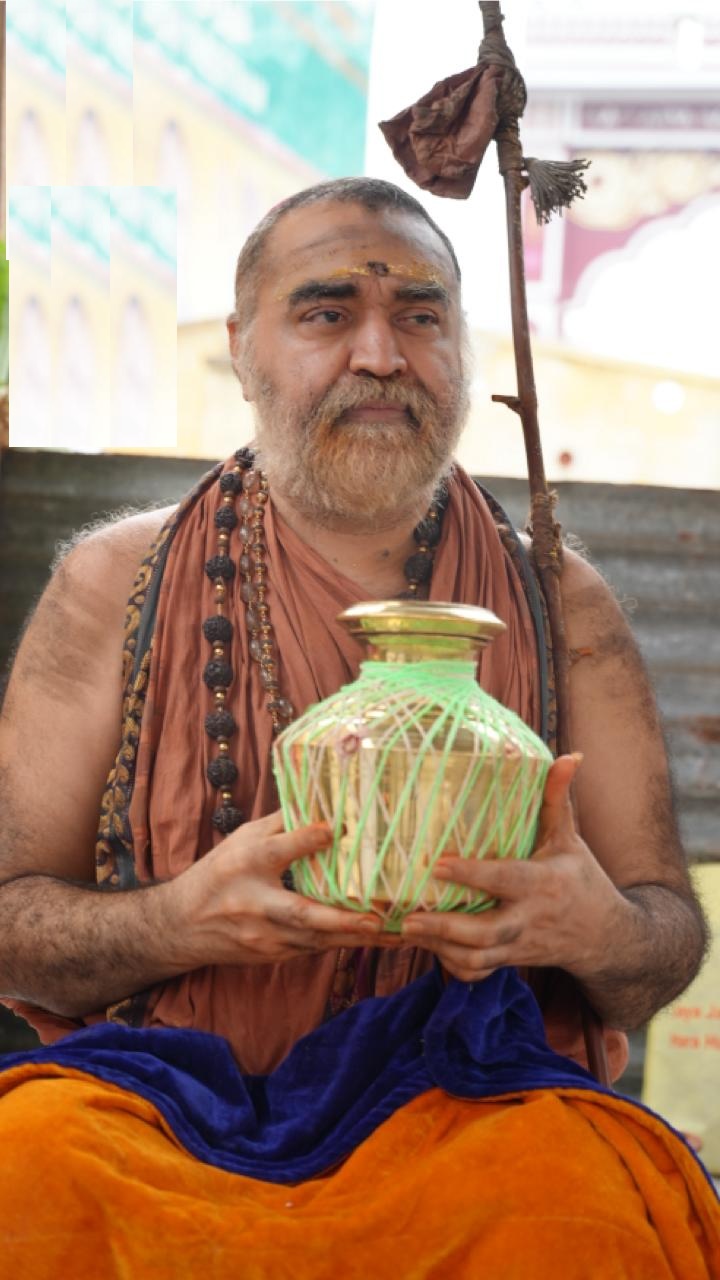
(413, 270)
(417, 271)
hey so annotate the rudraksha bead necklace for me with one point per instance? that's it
(246, 487)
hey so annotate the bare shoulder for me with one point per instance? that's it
(601, 640)
(79, 618)
(583, 587)
(623, 788)
(590, 606)
(64, 696)
(119, 544)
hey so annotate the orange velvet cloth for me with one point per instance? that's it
(552, 1185)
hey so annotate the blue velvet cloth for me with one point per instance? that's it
(338, 1083)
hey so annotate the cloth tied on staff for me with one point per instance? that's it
(441, 139)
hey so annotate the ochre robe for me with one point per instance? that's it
(164, 814)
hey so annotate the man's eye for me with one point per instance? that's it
(423, 319)
(326, 316)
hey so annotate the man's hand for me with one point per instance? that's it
(231, 908)
(558, 909)
(228, 908)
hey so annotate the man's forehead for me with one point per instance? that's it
(340, 239)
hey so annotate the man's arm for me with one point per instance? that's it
(625, 921)
(58, 736)
(625, 809)
(74, 949)
(64, 944)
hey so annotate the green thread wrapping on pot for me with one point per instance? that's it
(469, 780)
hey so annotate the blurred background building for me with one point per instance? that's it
(144, 142)
(622, 289)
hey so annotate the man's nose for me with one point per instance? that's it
(376, 349)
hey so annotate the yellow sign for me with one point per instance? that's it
(682, 1065)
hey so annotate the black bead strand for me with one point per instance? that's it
(222, 772)
(220, 724)
(419, 567)
(225, 518)
(227, 819)
(220, 567)
(230, 482)
(218, 629)
(218, 674)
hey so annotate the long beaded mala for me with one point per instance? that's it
(245, 486)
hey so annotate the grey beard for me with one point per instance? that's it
(359, 475)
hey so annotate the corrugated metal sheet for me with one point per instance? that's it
(660, 549)
(45, 497)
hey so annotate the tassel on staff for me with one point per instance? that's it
(554, 184)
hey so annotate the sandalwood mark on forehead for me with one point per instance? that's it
(419, 272)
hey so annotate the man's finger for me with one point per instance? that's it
(306, 916)
(507, 878)
(271, 824)
(499, 928)
(467, 965)
(282, 849)
(556, 815)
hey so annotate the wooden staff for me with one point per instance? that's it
(547, 550)
(546, 540)
(440, 142)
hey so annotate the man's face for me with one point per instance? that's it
(354, 362)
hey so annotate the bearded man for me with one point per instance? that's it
(317, 1129)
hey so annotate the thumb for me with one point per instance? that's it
(556, 814)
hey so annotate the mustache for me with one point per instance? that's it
(341, 398)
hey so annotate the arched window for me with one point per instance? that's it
(173, 167)
(32, 165)
(91, 161)
(174, 172)
(79, 425)
(133, 424)
(31, 421)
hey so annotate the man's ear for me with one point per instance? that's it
(237, 342)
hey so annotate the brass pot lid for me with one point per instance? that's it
(421, 618)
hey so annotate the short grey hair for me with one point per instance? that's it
(372, 193)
